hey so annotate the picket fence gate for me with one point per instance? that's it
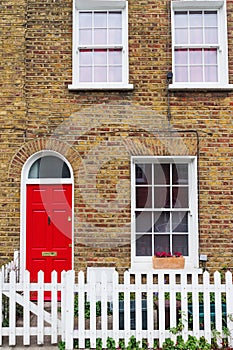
(144, 305)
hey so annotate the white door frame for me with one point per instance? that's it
(23, 205)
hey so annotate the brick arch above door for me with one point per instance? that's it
(41, 144)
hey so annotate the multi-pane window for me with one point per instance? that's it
(199, 42)
(100, 46)
(100, 39)
(163, 200)
(196, 46)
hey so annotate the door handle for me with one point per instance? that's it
(49, 220)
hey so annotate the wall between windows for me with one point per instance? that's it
(98, 131)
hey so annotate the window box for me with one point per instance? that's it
(168, 263)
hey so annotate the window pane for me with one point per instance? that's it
(196, 36)
(181, 56)
(115, 57)
(180, 197)
(49, 167)
(180, 244)
(85, 37)
(85, 57)
(179, 174)
(100, 19)
(115, 36)
(162, 174)
(100, 36)
(100, 74)
(181, 19)
(162, 197)
(85, 74)
(195, 19)
(210, 56)
(100, 57)
(161, 243)
(211, 36)
(196, 74)
(115, 74)
(180, 221)
(85, 19)
(211, 73)
(181, 74)
(195, 56)
(210, 19)
(115, 20)
(143, 221)
(181, 36)
(143, 245)
(143, 197)
(162, 222)
(143, 173)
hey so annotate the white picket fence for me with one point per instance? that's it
(144, 305)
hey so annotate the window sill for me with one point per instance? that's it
(192, 87)
(110, 86)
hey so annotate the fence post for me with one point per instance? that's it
(229, 303)
(69, 309)
(12, 309)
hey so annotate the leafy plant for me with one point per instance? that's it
(111, 344)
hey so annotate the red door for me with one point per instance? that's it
(49, 229)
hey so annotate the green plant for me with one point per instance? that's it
(111, 344)
(61, 345)
(133, 344)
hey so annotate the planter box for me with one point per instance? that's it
(168, 263)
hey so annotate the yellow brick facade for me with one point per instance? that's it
(98, 131)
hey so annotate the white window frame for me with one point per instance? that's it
(100, 5)
(191, 261)
(220, 7)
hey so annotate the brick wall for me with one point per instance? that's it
(98, 131)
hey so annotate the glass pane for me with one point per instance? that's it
(210, 19)
(211, 36)
(162, 197)
(115, 36)
(85, 19)
(162, 174)
(85, 57)
(195, 19)
(196, 36)
(85, 74)
(115, 74)
(181, 74)
(115, 57)
(196, 74)
(100, 36)
(181, 36)
(100, 74)
(180, 221)
(211, 73)
(181, 19)
(143, 173)
(180, 244)
(179, 174)
(100, 19)
(181, 56)
(49, 167)
(210, 56)
(162, 222)
(85, 37)
(100, 57)
(114, 20)
(143, 221)
(143, 197)
(180, 197)
(161, 243)
(143, 245)
(195, 56)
